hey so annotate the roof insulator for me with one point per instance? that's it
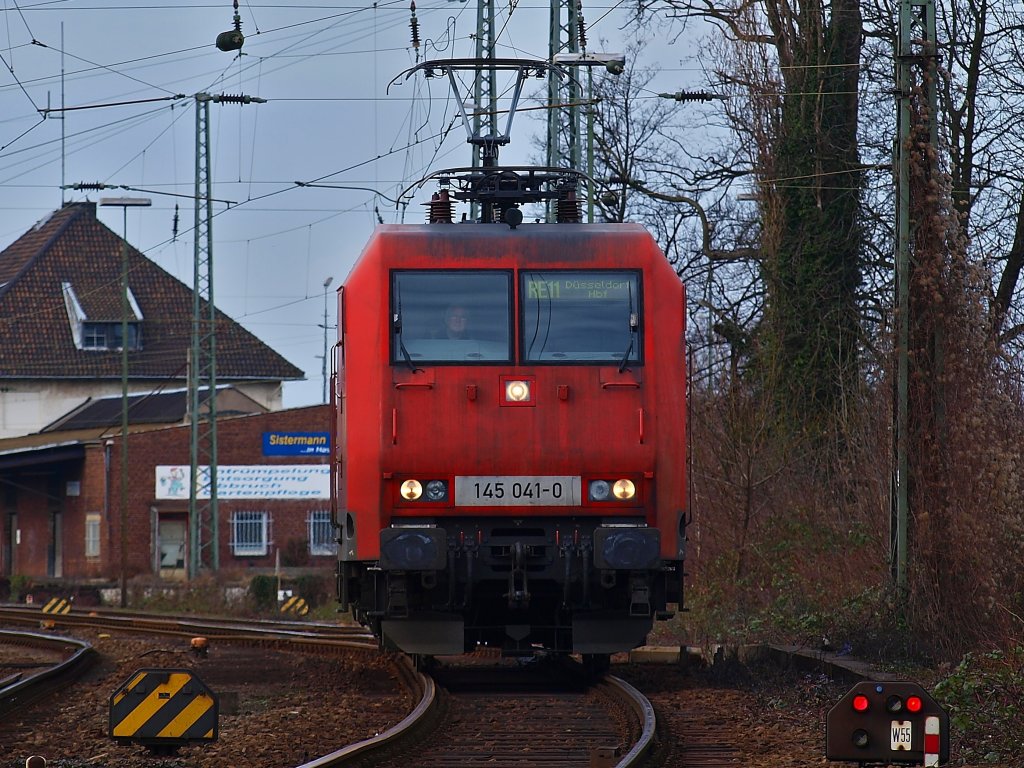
(569, 209)
(440, 209)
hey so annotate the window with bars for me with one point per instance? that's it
(250, 533)
(322, 539)
(92, 535)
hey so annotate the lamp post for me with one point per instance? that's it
(124, 203)
(327, 283)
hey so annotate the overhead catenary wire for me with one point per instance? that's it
(309, 45)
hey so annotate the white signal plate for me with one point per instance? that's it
(901, 733)
(518, 490)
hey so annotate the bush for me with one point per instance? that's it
(983, 696)
(263, 592)
(18, 585)
(314, 588)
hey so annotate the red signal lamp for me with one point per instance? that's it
(914, 704)
(860, 703)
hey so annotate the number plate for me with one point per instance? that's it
(901, 733)
(517, 490)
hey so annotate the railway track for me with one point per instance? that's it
(501, 713)
(23, 682)
(311, 689)
(183, 626)
(484, 712)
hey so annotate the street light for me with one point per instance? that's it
(614, 63)
(327, 283)
(124, 203)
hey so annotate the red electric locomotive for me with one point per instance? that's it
(510, 414)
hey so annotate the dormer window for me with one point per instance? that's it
(95, 321)
(108, 336)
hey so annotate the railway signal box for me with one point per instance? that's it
(881, 723)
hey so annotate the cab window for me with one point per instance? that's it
(459, 317)
(573, 317)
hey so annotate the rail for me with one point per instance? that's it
(422, 686)
(644, 711)
(21, 689)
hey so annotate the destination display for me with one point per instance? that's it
(580, 286)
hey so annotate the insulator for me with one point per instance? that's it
(414, 24)
(440, 210)
(569, 210)
(582, 24)
(89, 185)
(231, 98)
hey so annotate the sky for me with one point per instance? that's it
(127, 72)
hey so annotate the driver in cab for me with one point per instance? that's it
(456, 322)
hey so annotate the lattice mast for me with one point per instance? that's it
(485, 94)
(202, 512)
(563, 145)
(204, 550)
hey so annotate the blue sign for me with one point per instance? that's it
(296, 443)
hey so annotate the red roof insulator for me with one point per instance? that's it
(569, 210)
(440, 210)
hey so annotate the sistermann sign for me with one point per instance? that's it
(296, 443)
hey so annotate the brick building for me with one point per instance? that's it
(60, 493)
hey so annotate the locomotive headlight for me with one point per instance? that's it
(606, 490)
(411, 490)
(623, 490)
(517, 391)
(437, 490)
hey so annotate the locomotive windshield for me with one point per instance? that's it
(572, 317)
(451, 317)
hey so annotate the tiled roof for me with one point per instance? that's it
(72, 246)
(99, 299)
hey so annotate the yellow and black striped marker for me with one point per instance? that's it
(59, 605)
(295, 605)
(163, 708)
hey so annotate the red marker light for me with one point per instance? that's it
(913, 703)
(860, 703)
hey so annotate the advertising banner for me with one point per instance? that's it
(248, 481)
